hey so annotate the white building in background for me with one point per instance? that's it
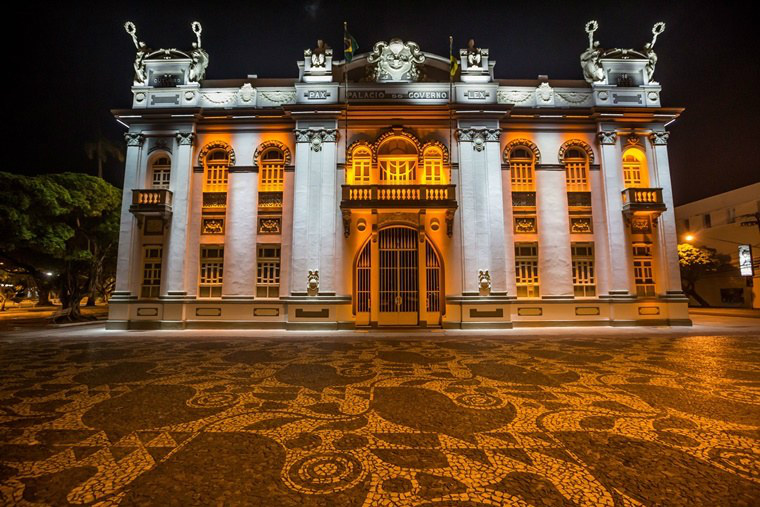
(378, 192)
(723, 222)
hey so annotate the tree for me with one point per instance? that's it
(695, 262)
(66, 224)
(101, 149)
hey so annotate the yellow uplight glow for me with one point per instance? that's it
(689, 237)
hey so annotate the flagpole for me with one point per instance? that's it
(451, 99)
(345, 91)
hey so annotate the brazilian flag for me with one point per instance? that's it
(350, 46)
(453, 63)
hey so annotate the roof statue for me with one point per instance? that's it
(596, 71)
(395, 61)
(474, 54)
(199, 56)
(142, 52)
(318, 54)
(592, 69)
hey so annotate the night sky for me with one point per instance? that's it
(74, 64)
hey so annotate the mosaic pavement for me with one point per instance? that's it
(363, 422)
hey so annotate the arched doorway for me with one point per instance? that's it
(390, 289)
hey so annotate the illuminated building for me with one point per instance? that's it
(381, 193)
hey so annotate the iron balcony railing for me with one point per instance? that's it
(398, 196)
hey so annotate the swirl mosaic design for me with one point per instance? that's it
(364, 422)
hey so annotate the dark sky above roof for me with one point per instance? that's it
(74, 63)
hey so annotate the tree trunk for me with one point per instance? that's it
(91, 299)
(43, 296)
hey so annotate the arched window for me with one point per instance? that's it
(160, 171)
(522, 169)
(433, 166)
(634, 169)
(361, 165)
(217, 164)
(397, 158)
(576, 170)
(272, 170)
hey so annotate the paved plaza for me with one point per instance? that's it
(589, 417)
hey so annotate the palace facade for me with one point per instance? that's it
(385, 192)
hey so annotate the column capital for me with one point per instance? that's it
(185, 138)
(478, 137)
(607, 136)
(134, 138)
(659, 137)
(316, 137)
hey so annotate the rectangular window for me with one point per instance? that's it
(212, 271)
(271, 177)
(526, 270)
(216, 176)
(584, 278)
(433, 170)
(268, 271)
(731, 215)
(362, 166)
(577, 176)
(707, 221)
(151, 282)
(161, 176)
(643, 269)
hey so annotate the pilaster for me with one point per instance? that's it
(481, 205)
(315, 211)
(241, 228)
(555, 267)
(129, 255)
(177, 241)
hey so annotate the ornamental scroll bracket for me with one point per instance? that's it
(316, 137)
(478, 137)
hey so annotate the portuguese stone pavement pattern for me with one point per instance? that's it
(365, 421)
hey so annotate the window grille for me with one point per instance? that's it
(151, 283)
(268, 271)
(526, 270)
(363, 279)
(216, 171)
(161, 172)
(643, 269)
(212, 271)
(584, 278)
(362, 165)
(272, 171)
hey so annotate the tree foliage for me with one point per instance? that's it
(66, 224)
(695, 262)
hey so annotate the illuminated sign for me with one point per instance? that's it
(437, 96)
(745, 260)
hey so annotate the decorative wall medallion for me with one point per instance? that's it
(652, 96)
(659, 137)
(134, 138)
(270, 225)
(139, 97)
(484, 282)
(246, 93)
(212, 226)
(435, 224)
(361, 225)
(603, 95)
(581, 225)
(395, 61)
(189, 95)
(279, 97)
(544, 93)
(632, 139)
(607, 136)
(312, 282)
(641, 224)
(525, 225)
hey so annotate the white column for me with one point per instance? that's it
(668, 267)
(316, 213)
(129, 256)
(240, 235)
(177, 240)
(555, 268)
(602, 262)
(509, 234)
(286, 238)
(620, 274)
(481, 207)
